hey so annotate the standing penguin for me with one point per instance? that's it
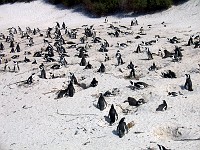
(1, 46)
(17, 48)
(112, 115)
(63, 25)
(132, 73)
(70, 89)
(43, 73)
(190, 41)
(188, 83)
(102, 68)
(122, 127)
(101, 104)
(138, 50)
(149, 54)
(119, 58)
(94, 82)
(16, 65)
(57, 25)
(83, 61)
(30, 79)
(73, 78)
(88, 66)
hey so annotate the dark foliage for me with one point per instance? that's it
(104, 7)
(13, 1)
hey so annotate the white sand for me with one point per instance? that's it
(39, 127)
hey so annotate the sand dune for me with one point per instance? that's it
(31, 118)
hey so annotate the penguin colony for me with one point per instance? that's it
(63, 47)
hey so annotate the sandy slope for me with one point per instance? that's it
(38, 126)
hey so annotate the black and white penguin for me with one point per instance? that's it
(188, 83)
(162, 147)
(101, 104)
(43, 73)
(83, 61)
(30, 79)
(88, 66)
(133, 102)
(102, 68)
(70, 90)
(162, 106)
(112, 115)
(94, 82)
(122, 127)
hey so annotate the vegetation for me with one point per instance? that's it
(13, 1)
(104, 7)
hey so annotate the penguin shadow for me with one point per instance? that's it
(95, 105)
(41, 77)
(107, 119)
(61, 94)
(115, 132)
(145, 59)
(182, 87)
(133, 78)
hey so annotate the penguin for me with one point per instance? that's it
(167, 54)
(43, 74)
(30, 79)
(55, 66)
(188, 83)
(138, 50)
(116, 33)
(70, 89)
(106, 57)
(162, 147)
(26, 59)
(169, 74)
(88, 66)
(63, 25)
(41, 66)
(34, 62)
(1, 46)
(83, 61)
(119, 58)
(190, 41)
(102, 68)
(12, 50)
(101, 104)
(133, 102)
(132, 73)
(17, 48)
(153, 67)
(73, 79)
(57, 24)
(112, 115)
(94, 82)
(16, 65)
(34, 31)
(12, 44)
(162, 106)
(131, 65)
(173, 94)
(122, 127)
(140, 85)
(149, 54)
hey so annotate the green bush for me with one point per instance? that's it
(104, 7)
